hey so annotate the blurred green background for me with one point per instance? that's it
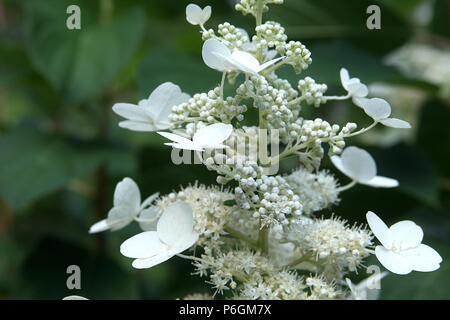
(62, 153)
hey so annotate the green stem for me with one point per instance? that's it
(259, 13)
(239, 235)
(303, 258)
(263, 240)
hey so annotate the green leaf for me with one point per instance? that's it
(79, 63)
(34, 164)
(190, 73)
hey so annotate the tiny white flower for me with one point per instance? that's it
(380, 110)
(153, 113)
(218, 56)
(209, 137)
(358, 165)
(365, 290)
(174, 234)
(127, 206)
(353, 85)
(196, 16)
(401, 249)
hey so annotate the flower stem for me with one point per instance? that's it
(303, 258)
(239, 235)
(263, 239)
(347, 186)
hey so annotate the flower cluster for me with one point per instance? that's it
(261, 237)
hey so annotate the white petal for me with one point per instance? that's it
(376, 108)
(379, 229)
(141, 126)
(244, 34)
(175, 137)
(206, 14)
(359, 164)
(99, 226)
(184, 242)
(270, 54)
(212, 135)
(119, 217)
(176, 222)
(396, 123)
(185, 146)
(127, 195)
(152, 261)
(422, 258)
(392, 261)
(337, 161)
(194, 14)
(132, 112)
(150, 214)
(246, 59)
(143, 245)
(163, 98)
(268, 63)
(382, 182)
(345, 77)
(358, 90)
(214, 53)
(407, 233)
(75, 297)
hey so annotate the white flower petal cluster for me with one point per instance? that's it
(196, 15)
(151, 114)
(358, 165)
(218, 56)
(173, 235)
(209, 137)
(354, 87)
(127, 206)
(380, 110)
(401, 249)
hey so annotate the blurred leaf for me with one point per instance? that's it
(307, 20)
(412, 169)
(10, 257)
(79, 63)
(34, 164)
(404, 8)
(330, 57)
(43, 274)
(440, 23)
(190, 73)
(434, 135)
